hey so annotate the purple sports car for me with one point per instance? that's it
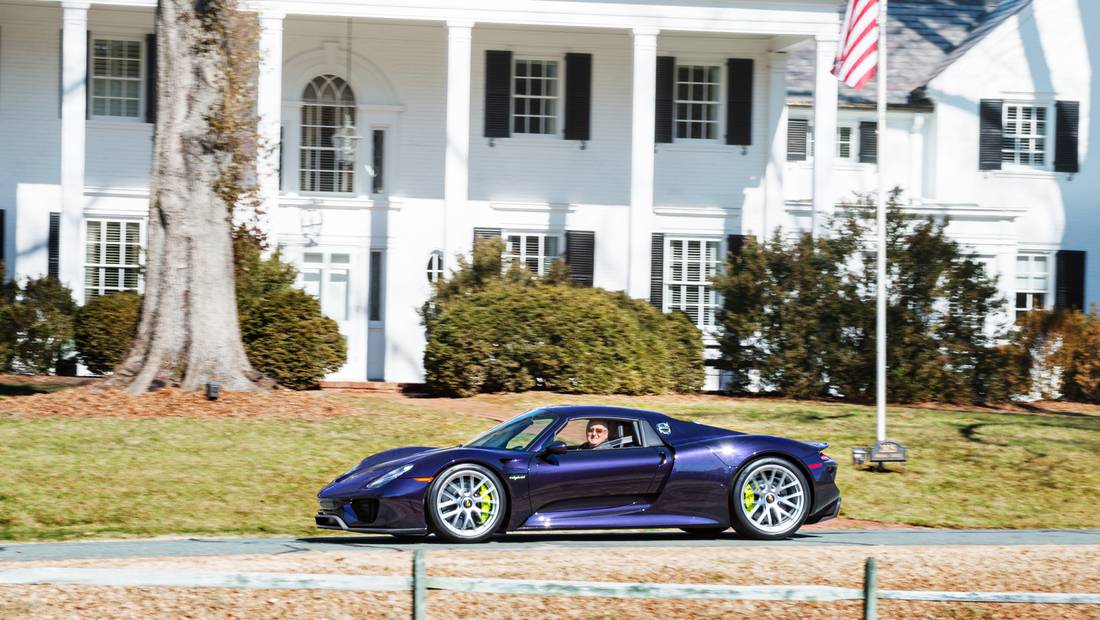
(587, 467)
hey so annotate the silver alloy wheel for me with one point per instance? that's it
(772, 498)
(468, 503)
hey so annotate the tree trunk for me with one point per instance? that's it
(189, 334)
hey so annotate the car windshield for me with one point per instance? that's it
(515, 434)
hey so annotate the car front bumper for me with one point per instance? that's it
(397, 508)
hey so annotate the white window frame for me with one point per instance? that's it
(325, 268)
(716, 104)
(342, 108)
(668, 283)
(140, 79)
(841, 143)
(558, 99)
(1047, 136)
(853, 143)
(544, 258)
(123, 266)
(434, 270)
(1030, 290)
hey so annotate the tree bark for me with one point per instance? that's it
(189, 334)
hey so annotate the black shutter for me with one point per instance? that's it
(279, 159)
(580, 255)
(486, 233)
(868, 143)
(734, 244)
(60, 71)
(578, 96)
(657, 271)
(1065, 144)
(498, 93)
(3, 242)
(1069, 291)
(797, 128)
(88, 75)
(53, 268)
(150, 78)
(991, 135)
(666, 82)
(739, 101)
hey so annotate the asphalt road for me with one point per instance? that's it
(519, 541)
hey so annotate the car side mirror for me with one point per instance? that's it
(555, 447)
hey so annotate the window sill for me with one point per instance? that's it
(702, 146)
(838, 164)
(119, 123)
(1024, 173)
(529, 141)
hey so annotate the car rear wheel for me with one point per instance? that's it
(771, 500)
(466, 503)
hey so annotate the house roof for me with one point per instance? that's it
(1002, 12)
(923, 38)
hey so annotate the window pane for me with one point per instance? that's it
(311, 257)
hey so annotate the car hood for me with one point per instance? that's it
(431, 458)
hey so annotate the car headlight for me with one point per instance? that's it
(389, 476)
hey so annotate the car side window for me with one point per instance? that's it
(599, 434)
(651, 437)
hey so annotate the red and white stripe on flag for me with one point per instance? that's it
(857, 53)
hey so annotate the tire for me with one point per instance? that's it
(704, 532)
(771, 500)
(466, 504)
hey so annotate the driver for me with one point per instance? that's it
(597, 435)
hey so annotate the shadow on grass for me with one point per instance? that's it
(8, 389)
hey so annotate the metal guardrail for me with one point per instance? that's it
(419, 583)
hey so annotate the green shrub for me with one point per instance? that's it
(490, 331)
(284, 332)
(799, 317)
(36, 325)
(105, 325)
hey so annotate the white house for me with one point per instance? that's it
(637, 139)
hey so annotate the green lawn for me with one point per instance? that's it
(81, 478)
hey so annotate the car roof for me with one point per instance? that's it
(606, 411)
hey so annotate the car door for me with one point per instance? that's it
(595, 479)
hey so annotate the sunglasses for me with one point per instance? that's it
(598, 431)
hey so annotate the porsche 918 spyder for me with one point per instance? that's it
(588, 467)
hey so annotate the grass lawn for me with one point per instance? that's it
(65, 478)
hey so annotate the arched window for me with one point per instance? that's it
(327, 104)
(435, 267)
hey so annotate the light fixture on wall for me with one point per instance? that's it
(344, 139)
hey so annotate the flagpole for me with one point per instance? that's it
(880, 212)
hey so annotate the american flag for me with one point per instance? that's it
(857, 54)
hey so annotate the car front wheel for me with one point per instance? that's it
(771, 500)
(466, 503)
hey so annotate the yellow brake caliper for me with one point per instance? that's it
(749, 498)
(486, 503)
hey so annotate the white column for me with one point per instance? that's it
(825, 102)
(643, 108)
(74, 106)
(269, 107)
(456, 169)
(774, 202)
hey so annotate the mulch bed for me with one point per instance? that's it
(93, 401)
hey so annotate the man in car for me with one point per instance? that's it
(597, 435)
